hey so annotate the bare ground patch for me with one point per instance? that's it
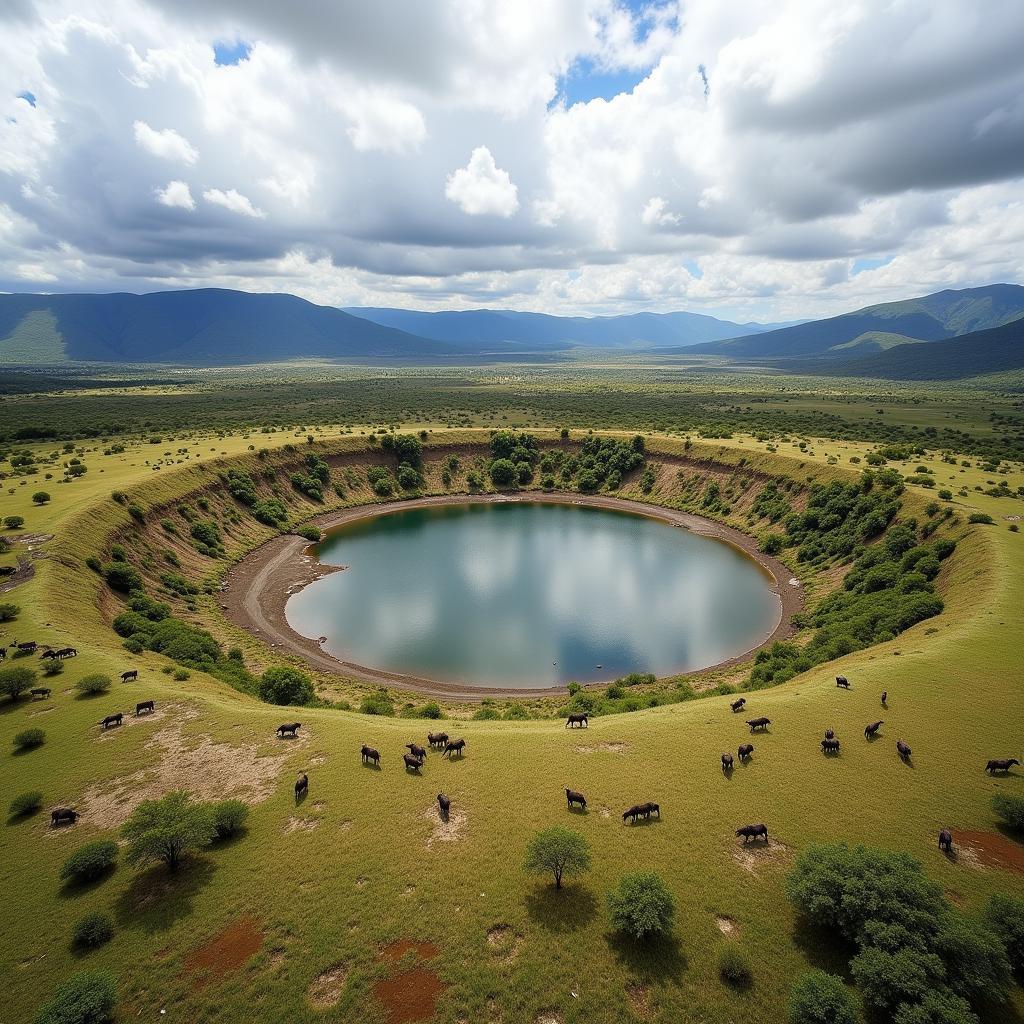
(445, 830)
(604, 747)
(639, 997)
(727, 925)
(301, 824)
(411, 994)
(755, 856)
(325, 989)
(548, 1017)
(988, 850)
(504, 943)
(225, 952)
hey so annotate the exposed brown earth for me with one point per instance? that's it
(988, 849)
(225, 952)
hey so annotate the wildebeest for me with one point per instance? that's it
(437, 739)
(572, 797)
(112, 720)
(1001, 764)
(753, 832)
(870, 730)
(288, 729)
(417, 751)
(301, 785)
(145, 705)
(903, 750)
(61, 814)
(745, 750)
(453, 747)
(830, 734)
(843, 682)
(369, 754)
(759, 723)
(66, 652)
(40, 691)
(444, 805)
(412, 762)
(946, 841)
(830, 746)
(737, 704)
(127, 677)
(577, 719)
(727, 762)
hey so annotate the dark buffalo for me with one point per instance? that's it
(28, 647)
(946, 841)
(369, 754)
(727, 762)
(830, 746)
(67, 652)
(752, 832)
(634, 812)
(437, 739)
(572, 797)
(577, 720)
(288, 729)
(737, 704)
(745, 750)
(759, 723)
(872, 729)
(417, 751)
(40, 691)
(59, 815)
(1001, 764)
(454, 747)
(650, 808)
(903, 750)
(444, 805)
(145, 705)
(127, 677)
(885, 698)
(301, 786)
(48, 655)
(112, 720)
(843, 682)
(412, 762)
(830, 734)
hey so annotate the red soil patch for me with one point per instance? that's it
(409, 995)
(394, 951)
(226, 951)
(991, 849)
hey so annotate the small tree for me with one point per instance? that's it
(93, 685)
(283, 685)
(93, 930)
(229, 817)
(40, 497)
(88, 997)
(27, 739)
(733, 966)
(820, 998)
(166, 829)
(122, 576)
(558, 850)
(14, 681)
(14, 522)
(9, 612)
(90, 861)
(641, 905)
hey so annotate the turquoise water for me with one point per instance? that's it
(528, 594)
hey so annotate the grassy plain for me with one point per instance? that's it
(363, 862)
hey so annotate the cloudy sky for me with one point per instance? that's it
(753, 158)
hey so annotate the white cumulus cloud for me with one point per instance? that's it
(234, 201)
(481, 187)
(166, 144)
(176, 193)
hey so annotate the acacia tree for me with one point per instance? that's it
(166, 829)
(558, 850)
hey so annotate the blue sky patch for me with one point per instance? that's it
(28, 97)
(226, 54)
(870, 263)
(585, 82)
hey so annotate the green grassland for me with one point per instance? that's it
(359, 864)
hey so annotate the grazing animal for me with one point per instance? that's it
(650, 808)
(417, 751)
(66, 652)
(40, 691)
(62, 814)
(727, 762)
(437, 739)
(1001, 764)
(903, 750)
(146, 705)
(301, 785)
(633, 813)
(870, 730)
(453, 747)
(759, 723)
(28, 647)
(885, 698)
(369, 754)
(830, 734)
(843, 682)
(745, 750)
(48, 655)
(572, 797)
(577, 719)
(830, 746)
(946, 841)
(444, 805)
(737, 704)
(127, 677)
(288, 729)
(753, 832)
(412, 762)
(112, 720)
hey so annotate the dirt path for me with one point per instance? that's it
(258, 588)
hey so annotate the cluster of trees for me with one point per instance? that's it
(917, 959)
(312, 482)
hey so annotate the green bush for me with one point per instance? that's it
(28, 739)
(16, 680)
(379, 703)
(9, 612)
(167, 829)
(93, 685)
(90, 861)
(557, 851)
(1005, 916)
(1010, 809)
(93, 930)
(310, 533)
(14, 522)
(88, 997)
(503, 473)
(981, 517)
(283, 685)
(25, 804)
(40, 498)
(641, 905)
(733, 966)
(122, 576)
(229, 817)
(820, 998)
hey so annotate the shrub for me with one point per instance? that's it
(1010, 809)
(121, 576)
(14, 522)
(503, 473)
(431, 710)
(820, 998)
(167, 829)
(88, 997)
(90, 861)
(772, 543)
(229, 817)
(25, 804)
(981, 517)
(641, 905)
(40, 498)
(309, 532)
(93, 930)
(559, 851)
(1005, 916)
(270, 512)
(27, 739)
(283, 685)
(15, 680)
(93, 685)
(379, 703)
(9, 612)
(733, 966)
